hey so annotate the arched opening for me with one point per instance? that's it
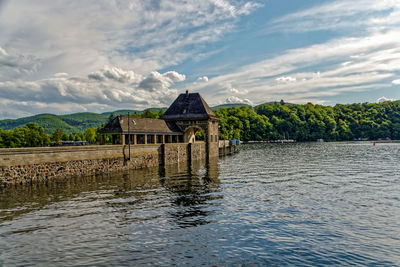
(193, 134)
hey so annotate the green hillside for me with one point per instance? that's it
(49, 122)
(155, 110)
(71, 123)
(121, 112)
(132, 111)
(275, 102)
(366, 121)
(264, 122)
(84, 120)
(216, 108)
(79, 122)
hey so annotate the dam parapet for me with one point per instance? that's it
(29, 165)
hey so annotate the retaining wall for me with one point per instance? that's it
(27, 165)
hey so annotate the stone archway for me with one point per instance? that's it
(189, 135)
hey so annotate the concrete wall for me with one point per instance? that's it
(212, 136)
(27, 165)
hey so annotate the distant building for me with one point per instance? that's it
(188, 114)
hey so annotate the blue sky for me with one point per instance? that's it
(73, 56)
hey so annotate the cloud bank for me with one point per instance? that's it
(352, 61)
(136, 39)
(103, 90)
(103, 55)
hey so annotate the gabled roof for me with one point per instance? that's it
(189, 106)
(140, 126)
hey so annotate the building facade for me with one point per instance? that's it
(187, 115)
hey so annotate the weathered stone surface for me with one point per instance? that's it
(198, 151)
(22, 174)
(29, 165)
(175, 153)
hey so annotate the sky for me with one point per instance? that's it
(64, 57)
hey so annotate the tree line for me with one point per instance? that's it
(312, 122)
(264, 122)
(33, 135)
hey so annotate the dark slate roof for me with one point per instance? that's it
(140, 126)
(189, 106)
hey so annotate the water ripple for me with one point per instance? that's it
(271, 204)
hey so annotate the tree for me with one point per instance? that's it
(65, 137)
(71, 137)
(79, 137)
(148, 113)
(56, 137)
(34, 135)
(90, 135)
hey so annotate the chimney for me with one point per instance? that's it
(187, 92)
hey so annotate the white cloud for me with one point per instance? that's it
(237, 100)
(117, 89)
(383, 99)
(286, 79)
(202, 79)
(115, 74)
(375, 60)
(3, 52)
(229, 89)
(365, 57)
(61, 74)
(356, 15)
(234, 90)
(174, 76)
(54, 52)
(16, 66)
(156, 81)
(248, 8)
(79, 37)
(397, 82)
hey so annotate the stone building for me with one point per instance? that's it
(188, 114)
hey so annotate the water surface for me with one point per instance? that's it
(276, 204)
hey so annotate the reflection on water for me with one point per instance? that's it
(186, 186)
(277, 204)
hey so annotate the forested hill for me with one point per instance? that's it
(216, 108)
(270, 121)
(311, 122)
(79, 122)
(74, 123)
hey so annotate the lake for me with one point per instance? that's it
(271, 204)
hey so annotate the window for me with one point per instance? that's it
(140, 139)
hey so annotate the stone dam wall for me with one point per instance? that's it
(29, 165)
